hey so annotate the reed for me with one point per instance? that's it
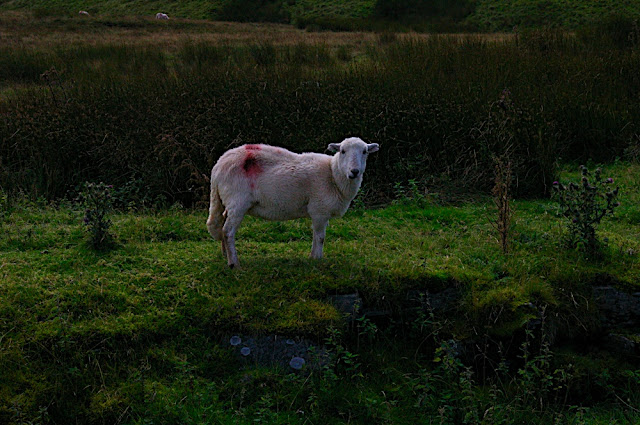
(122, 112)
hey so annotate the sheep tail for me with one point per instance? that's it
(216, 214)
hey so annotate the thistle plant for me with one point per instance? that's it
(585, 205)
(97, 201)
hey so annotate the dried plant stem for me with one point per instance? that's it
(501, 199)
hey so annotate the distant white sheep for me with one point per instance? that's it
(162, 16)
(83, 13)
(276, 184)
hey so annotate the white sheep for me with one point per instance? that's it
(276, 184)
(162, 16)
(83, 13)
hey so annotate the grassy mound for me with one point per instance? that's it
(92, 334)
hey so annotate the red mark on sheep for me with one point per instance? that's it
(252, 147)
(251, 166)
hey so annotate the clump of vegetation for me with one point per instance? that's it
(106, 117)
(584, 205)
(616, 30)
(502, 15)
(254, 11)
(97, 201)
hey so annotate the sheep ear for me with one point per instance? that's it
(373, 147)
(333, 147)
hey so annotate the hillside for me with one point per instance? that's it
(496, 15)
(191, 9)
(459, 15)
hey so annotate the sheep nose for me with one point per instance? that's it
(354, 173)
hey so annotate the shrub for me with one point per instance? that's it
(585, 205)
(612, 31)
(96, 200)
(393, 9)
(399, 9)
(47, 12)
(254, 11)
(527, 135)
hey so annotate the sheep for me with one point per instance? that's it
(83, 13)
(276, 184)
(162, 16)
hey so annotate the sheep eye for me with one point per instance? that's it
(342, 151)
(364, 151)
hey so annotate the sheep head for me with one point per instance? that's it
(352, 156)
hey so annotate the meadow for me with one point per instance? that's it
(437, 16)
(141, 331)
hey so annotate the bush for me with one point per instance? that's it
(49, 11)
(254, 11)
(403, 9)
(393, 9)
(615, 30)
(97, 202)
(585, 205)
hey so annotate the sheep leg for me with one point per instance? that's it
(223, 240)
(229, 236)
(217, 214)
(319, 231)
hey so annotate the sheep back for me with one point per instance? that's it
(278, 184)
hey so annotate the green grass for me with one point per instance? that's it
(502, 15)
(193, 9)
(482, 15)
(140, 329)
(325, 8)
(163, 256)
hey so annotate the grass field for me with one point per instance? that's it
(140, 332)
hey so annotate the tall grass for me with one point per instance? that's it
(118, 113)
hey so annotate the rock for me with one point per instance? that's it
(275, 350)
(623, 344)
(617, 308)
